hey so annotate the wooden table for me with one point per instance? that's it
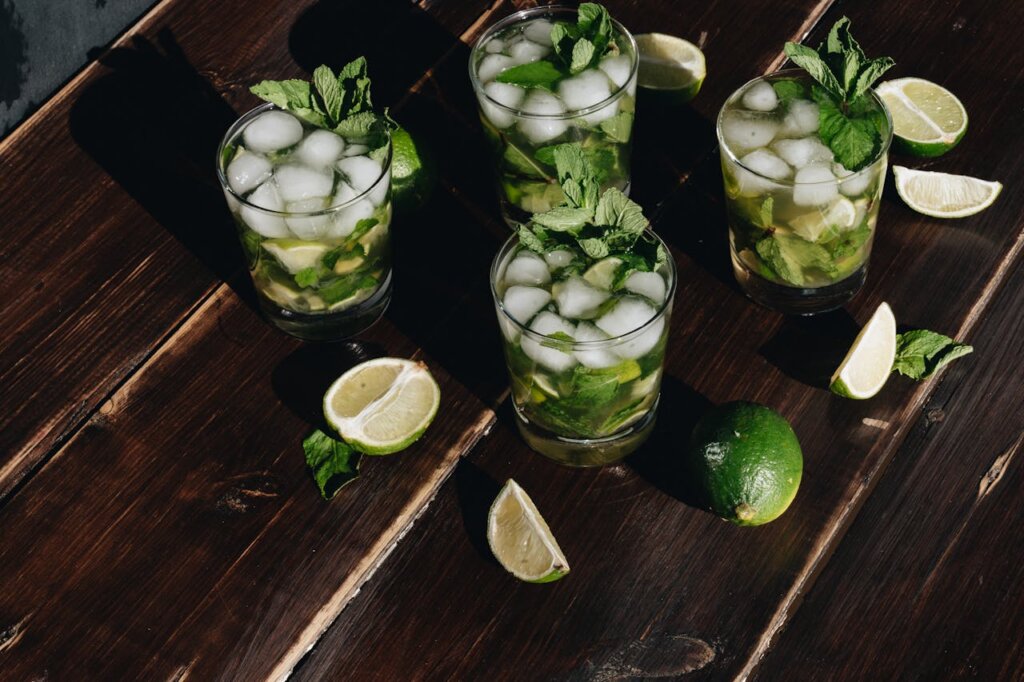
(157, 521)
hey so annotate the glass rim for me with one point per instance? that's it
(235, 130)
(724, 148)
(524, 14)
(659, 313)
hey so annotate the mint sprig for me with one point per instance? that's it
(920, 353)
(849, 125)
(338, 102)
(594, 223)
(334, 463)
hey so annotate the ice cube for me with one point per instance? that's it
(539, 31)
(269, 225)
(542, 129)
(760, 97)
(247, 172)
(362, 173)
(597, 358)
(617, 68)
(527, 268)
(553, 358)
(558, 259)
(801, 119)
(320, 148)
(814, 185)
(346, 219)
(649, 284)
(764, 165)
(743, 131)
(494, 46)
(857, 184)
(629, 315)
(576, 299)
(525, 51)
(355, 150)
(586, 90)
(308, 227)
(272, 130)
(503, 93)
(522, 303)
(492, 65)
(300, 182)
(799, 153)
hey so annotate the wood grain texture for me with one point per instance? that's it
(648, 568)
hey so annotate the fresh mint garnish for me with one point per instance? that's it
(844, 76)
(307, 277)
(333, 462)
(594, 223)
(921, 353)
(339, 102)
(577, 47)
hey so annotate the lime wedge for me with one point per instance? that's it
(670, 66)
(838, 217)
(869, 361)
(382, 406)
(942, 195)
(520, 538)
(295, 254)
(602, 273)
(928, 120)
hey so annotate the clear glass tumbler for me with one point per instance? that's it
(801, 225)
(595, 108)
(313, 212)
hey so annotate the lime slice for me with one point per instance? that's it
(869, 361)
(382, 406)
(295, 254)
(521, 540)
(344, 266)
(928, 120)
(544, 385)
(373, 239)
(942, 195)
(602, 273)
(838, 217)
(670, 66)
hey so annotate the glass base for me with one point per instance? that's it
(337, 326)
(797, 300)
(515, 216)
(578, 452)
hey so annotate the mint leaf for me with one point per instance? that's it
(870, 73)
(531, 241)
(564, 218)
(618, 127)
(594, 22)
(358, 126)
(539, 74)
(594, 247)
(329, 92)
(854, 141)
(355, 88)
(921, 353)
(559, 341)
(843, 55)
(592, 388)
(307, 277)
(848, 243)
(582, 54)
(521, 162)
(617, 210)
(333, 462)
(770, 253)
(344, 287)
(809, 60)
(767, 208)
(788, 90)
(285, 94)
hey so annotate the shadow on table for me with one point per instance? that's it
(809, 349)
(662, 459)
(153, 123)
(302, 378)
(477, 491)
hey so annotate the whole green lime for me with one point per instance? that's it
(746, 461)
(413, 175)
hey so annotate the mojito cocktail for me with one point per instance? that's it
(313, 211)
(801, 224)
(585, 341)
(552, 75)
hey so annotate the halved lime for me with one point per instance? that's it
(295, 254)
(942, 195)
(928, 120)
(670, 66)
(382, 406)
(868, 363)
(520, 538)
(602, 273)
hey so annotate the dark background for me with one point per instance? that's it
(43, 43)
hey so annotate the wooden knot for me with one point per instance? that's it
(245, 492)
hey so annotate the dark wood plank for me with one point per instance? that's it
(651, 572)
(928, 582)
(98, 274)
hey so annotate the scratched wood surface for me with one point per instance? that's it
(155, 518)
